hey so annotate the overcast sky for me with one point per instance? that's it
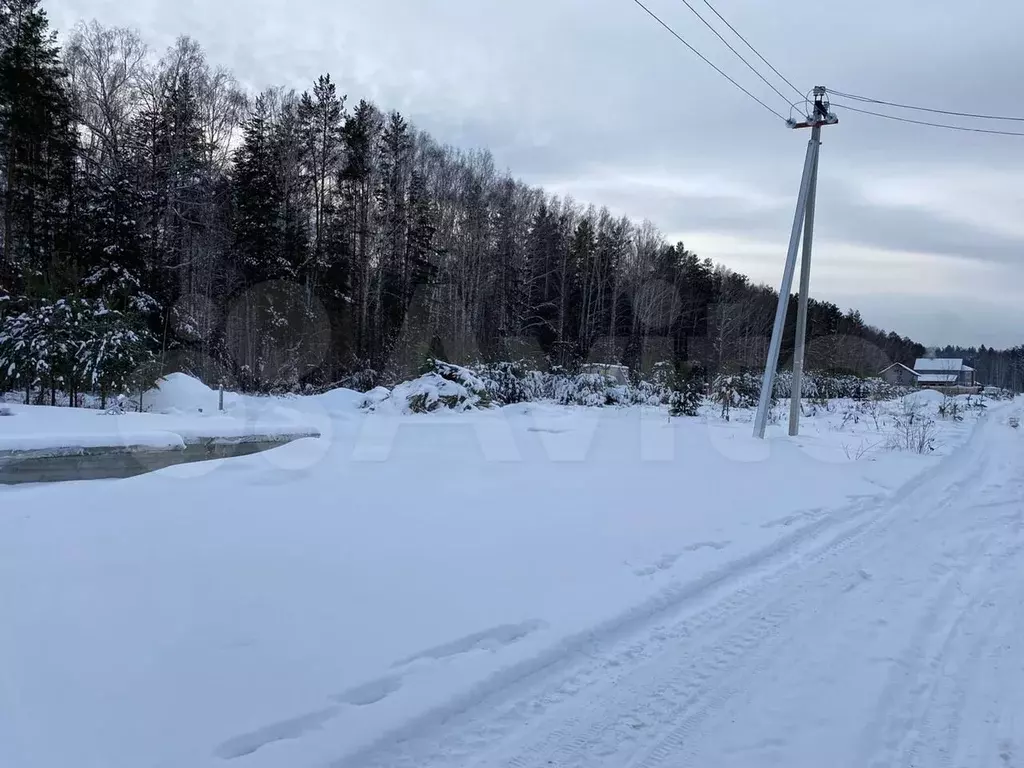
(919, 228)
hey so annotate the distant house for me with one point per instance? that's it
(943, 372)
(617, 373)
(900, 375)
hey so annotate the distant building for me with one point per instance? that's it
(617, 373)
(900, 375)
(943, 372)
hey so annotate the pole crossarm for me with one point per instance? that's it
(821, 112)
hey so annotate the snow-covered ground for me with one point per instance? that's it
(531, 585)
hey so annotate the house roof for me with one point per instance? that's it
(898, 365)
(949, 364)
(938, 378)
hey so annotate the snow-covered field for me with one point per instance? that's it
(470, 588)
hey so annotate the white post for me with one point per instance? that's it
(761, 420)
(805, 286)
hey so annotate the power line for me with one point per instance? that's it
(926, 122)
(751, 47)
(750, 66)
(869, 100)
(705, 59)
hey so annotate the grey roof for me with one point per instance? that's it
(948, 364)
(898, 365)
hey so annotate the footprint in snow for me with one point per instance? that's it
(370, 693)
(488, 640)
(667, 561)
(247, 743)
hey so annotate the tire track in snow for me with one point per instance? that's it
(485, 718)
(681, 746)
(634, 687)
(977, 637)
(578, 658)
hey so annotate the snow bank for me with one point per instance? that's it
(925, 397)
(343, 401)
(180, 393)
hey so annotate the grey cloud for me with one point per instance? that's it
(913, 229)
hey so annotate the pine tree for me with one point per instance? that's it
(258, 203)
(113, 249)
(418, 266)
(37, 151)
(288, 156)
(360, 133)
(392, 208)
(320, 117)
(543, 248)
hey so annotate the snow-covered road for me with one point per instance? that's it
(889, 636)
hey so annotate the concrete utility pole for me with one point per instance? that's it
(803, 219)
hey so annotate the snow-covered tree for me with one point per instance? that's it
(72, 346)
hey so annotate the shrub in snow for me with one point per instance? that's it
(746, 388)
(446, 386)
(679, 387)
(464, 377)
(506, 383)
(647, 393)
(950, 408)
(685, 401)
(5, 411)
(726, 394)
(913, 430)
(432, 391)
(591, 389)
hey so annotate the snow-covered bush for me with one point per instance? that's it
(735, 391)
(5, 411)
(506, 383)
(685, 401)
(446, 386)
(591, 389)
(430, 392)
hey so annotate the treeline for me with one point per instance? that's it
(1002, 368)
(282, 239)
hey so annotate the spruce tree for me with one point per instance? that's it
(37, 152)
(257, 195)
(113, 248)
